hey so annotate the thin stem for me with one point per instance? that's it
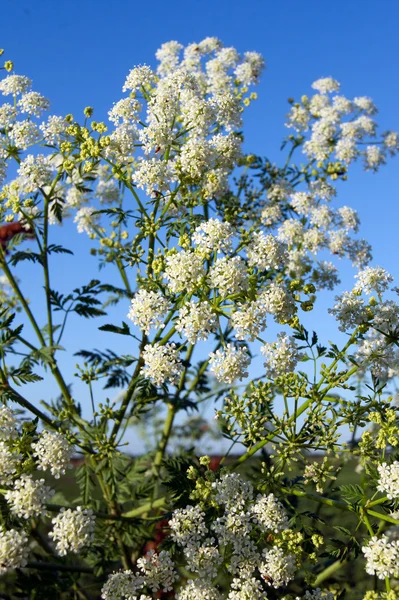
(327, 572)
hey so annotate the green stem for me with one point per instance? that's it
(144, 508)
(383, 517)
(327, 572)
(21, 297)
(317, 498)
(163, 442)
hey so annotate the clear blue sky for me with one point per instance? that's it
(78, 53)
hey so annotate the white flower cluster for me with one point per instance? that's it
(147, 310)
(9, 462)
(155, 571)
(53, 453)
(8, 424)
(281, 356)
(269, 513)
(196, 321)
(205, 546)
(266, 252)
(277, 568)
(389, 479)
(213, 236)
(161, 363)
(85, 220)
(183, 102)
(249, 321)
(239, 537)
(14, 550)
(72, 530)
(29, 496)
(382, 557)
(230, 364)
(228, 275)
(184, 271)
(341, 126)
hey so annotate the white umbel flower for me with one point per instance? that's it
(249, 321)
(13, 85)
(281, 356)
(158, 570)
(147, 310)
(229, 275)
(198, 589)
(161, 363)
(373, 279)
(326, 85)
(230, 364)
(277, 568)
(123, 585)
(14, 550)
(188, 525)
(232, 491)
(28, 497)
(266, 252)
(84, 219)
(246, 588)
(184, 271)
(53, 453)
(389, 479)
(196, 321)
(213, 236)
(35, 171)
(382, 557)
(269, 514)
(72, 530)
(33, 103)
(9, 462)
(8, 424)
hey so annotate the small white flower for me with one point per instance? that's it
(229, 275)
(269, 513)
(281, 356)
(35, 171)
(188, 525)
(9, 462)
(373, 279)
(8, 424)
(382, 557)
(266, 252)
(389, 479)
(230, 364)
(213, 235)
(14, 550)
(158, 570)
(147, 310)
(72, 530)
(196, 321)
(184, 271)
(123, 585)
(53, 453)
(33, 103)
(161, 363)
(29, 496)
(14, 85)
(277, 568)
(326, 85)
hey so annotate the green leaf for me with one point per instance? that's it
(124, 330)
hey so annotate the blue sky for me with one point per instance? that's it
(79, 52)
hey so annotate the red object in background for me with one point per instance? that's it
(8, 231)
